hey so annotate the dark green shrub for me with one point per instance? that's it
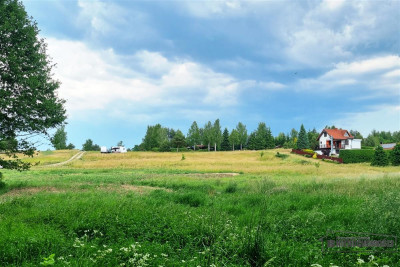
(395, 157)
(282, 156)
(165, 147)
(192, 199)
(2, 183)
(155, 149)
(380, 157)
(356, 156)
(231, 188)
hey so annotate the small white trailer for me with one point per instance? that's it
(104, 149)
(118, 149)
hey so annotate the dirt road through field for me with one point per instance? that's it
(74, 157)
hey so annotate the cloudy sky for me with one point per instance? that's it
(128, 64)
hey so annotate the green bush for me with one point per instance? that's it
(2, 183)
(155, 149)
(193, 199)
(395, 157)
(165, 147)
(231, 188)
(380, 157)
(308, 151)
(356, 156)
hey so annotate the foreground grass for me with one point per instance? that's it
(163, 212)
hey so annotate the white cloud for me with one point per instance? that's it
(333, 4)
(102, 80)
(112, 20)
(378, 74)
(333, 31)
(382, 118)
(207, 9)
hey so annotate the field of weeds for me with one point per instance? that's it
(211, 209)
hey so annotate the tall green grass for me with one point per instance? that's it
(89, 219)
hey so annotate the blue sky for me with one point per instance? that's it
(124, 65)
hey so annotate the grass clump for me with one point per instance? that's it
(282, 156)
(231, 188)
(192, 199)
(2, 183)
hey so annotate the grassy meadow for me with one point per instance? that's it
(244, 208)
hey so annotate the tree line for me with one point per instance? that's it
(211, 137)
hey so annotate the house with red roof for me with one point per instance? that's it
(331, 141)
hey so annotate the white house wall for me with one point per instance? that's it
(356, 144)
(323, 139)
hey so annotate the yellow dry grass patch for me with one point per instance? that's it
(124, 188)
(30, 191)
(43, 158)
(238, 162)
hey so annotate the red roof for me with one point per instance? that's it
(337, 134)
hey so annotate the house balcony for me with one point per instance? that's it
(335, 147)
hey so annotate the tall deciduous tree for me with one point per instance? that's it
(155, 136)
(302, 142)
(178, 140)
(70, 146)
(208, 134)
(234, 138)
(59, 139)
(225, 140)
(313, 139)
(193, 136)
(217, 134)
(29, 104)
(90, 146)
(242, 133)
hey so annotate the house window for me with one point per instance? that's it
(324, 134)
(347, 142)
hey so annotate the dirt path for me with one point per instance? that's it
(74, 157)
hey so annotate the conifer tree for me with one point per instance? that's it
(380, 158)
(395, 158)
(270, 141)
(225, 140)
(302, 142)
(251, 144)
